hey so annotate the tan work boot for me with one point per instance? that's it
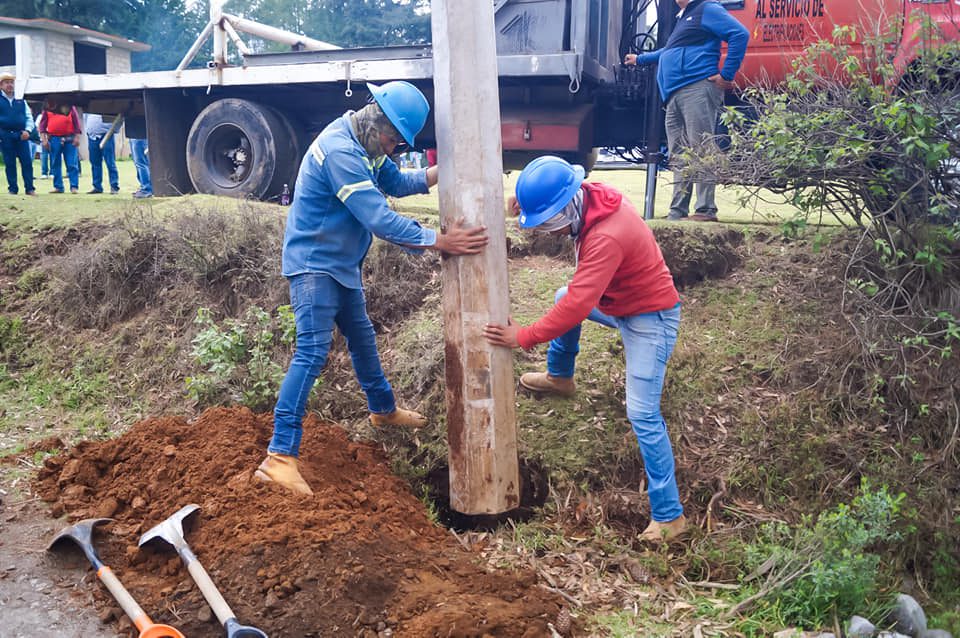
(658, 532)
(282, 470)
(544, 382)
(401, 418)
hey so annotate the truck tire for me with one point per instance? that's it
(241, 148)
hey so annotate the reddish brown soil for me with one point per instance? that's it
(359, 558)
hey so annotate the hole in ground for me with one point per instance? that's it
(533, 494)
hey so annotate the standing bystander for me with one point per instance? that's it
(44, 152)
(139, 151)
(96, 129)
(16, 122)
(60, 134)
(693, 90)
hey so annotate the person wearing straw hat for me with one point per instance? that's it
(16, 124)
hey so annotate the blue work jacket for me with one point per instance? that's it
(338, 207)
(692, 52)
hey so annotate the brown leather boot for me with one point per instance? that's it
(282, 470)
(399, 417)
(544, 382)
(658, 532)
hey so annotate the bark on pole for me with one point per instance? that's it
(481, 415)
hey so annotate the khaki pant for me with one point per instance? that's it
(691, 121)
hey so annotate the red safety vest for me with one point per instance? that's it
(58, 124)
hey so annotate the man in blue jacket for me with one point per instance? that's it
(693, 89)
(16, 124)
(337, 208)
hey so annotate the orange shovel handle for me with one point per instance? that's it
(146, 626)
(148, 630)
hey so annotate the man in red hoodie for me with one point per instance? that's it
(621, 281)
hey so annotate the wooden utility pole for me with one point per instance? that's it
(481, 415)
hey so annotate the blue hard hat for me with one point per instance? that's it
(404, 105)
(544, 187)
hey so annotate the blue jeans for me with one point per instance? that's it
(44, 161)
(319, 302)
(62, 149)
(99, 157)
(648, 341)
(13, 149)
(138, 151)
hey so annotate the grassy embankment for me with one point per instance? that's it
(754, 437)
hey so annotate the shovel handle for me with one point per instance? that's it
(120, 593)
(214, 598)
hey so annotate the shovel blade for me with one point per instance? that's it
(236, 630)
(170, 530)
(80, 532)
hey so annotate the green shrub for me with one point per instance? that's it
(805, 574)
(13, 339)
(238, 357)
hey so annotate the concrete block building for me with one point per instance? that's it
(46, 48)
(42, 47)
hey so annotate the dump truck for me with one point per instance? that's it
(240, 125)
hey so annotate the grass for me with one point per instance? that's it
(724, 375)
(632, 183)
(50, 396)
(49, 211)
(60, 211)
(628, 624)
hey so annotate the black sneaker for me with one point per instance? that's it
(94, 192)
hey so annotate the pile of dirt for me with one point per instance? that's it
(358, 558)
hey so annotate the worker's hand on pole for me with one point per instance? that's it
(726, 85)
(630, 59)
(500, 335)
(458, 240)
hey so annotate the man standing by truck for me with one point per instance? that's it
(96, 129)
(16, 124)
(693, 90)
(60, 134)
(337, 208)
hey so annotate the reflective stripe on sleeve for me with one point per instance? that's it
(349, 189)
(317, 153)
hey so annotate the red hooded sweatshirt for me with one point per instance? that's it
(620, 268)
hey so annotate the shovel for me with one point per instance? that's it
(171, 531)
(82, 534)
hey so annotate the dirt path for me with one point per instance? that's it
(40, 598)
(359, 558)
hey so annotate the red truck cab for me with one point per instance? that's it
(781, 29)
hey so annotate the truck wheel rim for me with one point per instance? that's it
(228, 155)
